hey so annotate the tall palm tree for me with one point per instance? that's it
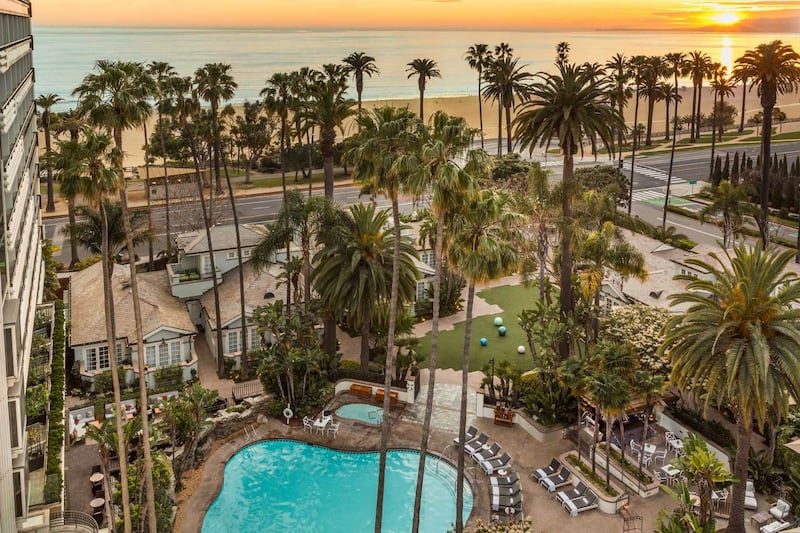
(44, 104)
(649, 387)
(676, 64)
(478, 58)
(72, 122)
(216, 85)
(637, 65)
(722, 86)
(506, 82)
(386, 137)
(67, 161)
(482, 247)
(327, 111)
(620, 75)
(737, 343)
(567, 106)
(88, 231)
(358, 64)
(774, 68)
(730, 201)
(277, 99)
(161, 72)
(424, 69)
(651, 76)
(743, 73)
(439, 172)
(698, 68)
(611, 394)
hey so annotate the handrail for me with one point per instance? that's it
(77, 520)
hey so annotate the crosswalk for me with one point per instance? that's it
(652, 173)
(648, 194)
(551, 163)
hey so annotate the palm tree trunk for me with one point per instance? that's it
(166, 183)
(651, 103)
(112, 357)
(713, 140)
(51, 206)
(365, 326)
(692, 132)
(426, 424)
(596, 438)
(622, 449)
(243, 359)
(666, 117)
(480, 105)
(744, 99)
(73, 243)
(327, 163)
(609, 434)
(508, 128)
(462, 419)
(565, 268)
(671, 159)
(217, 148)
(736, 520)
(150, 265)
(721, 128)
(421, 104)
(766, 141)
(699, 107)
(137, 316)
(633, 148)
(499, 126)
(389, 369)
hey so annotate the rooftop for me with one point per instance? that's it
(223, 237)
(257, 284)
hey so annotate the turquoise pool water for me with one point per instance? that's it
(288, 486)
(363, 412)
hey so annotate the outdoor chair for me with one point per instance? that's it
(504, 481)
(499, 502)
(780, 510)
(719, 497)
(572, 493)
(471, 448)
(498, 463)
(333, 429)
(504, 490)
(556, 481)
(579, 505)
(471, 433)
(308, 424)
(660, 456)
(549, 470)
(750, 501)
(482, 455)
(774, 527)
(662, 477)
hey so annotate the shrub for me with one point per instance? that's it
(591, 476)
(55, 435)
(35, 400)
(629, 467)
(52, 487)
(710, 429)
(170, 376)
(103, 382)
(547, 400)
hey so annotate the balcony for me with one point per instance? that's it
(189, 282)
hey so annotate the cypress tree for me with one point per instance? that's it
(789, 193)
(775, 192)
(726, 169)
(750, 163)
(735, 169)
(775, 168)
(716, 178)
(785, 166)
(758, 161)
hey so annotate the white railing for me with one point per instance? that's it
(73, 521)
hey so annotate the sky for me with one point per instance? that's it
(780, 16)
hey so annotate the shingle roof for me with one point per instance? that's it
(223, 237)
(159, 307)
(256, 285)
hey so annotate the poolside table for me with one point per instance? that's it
(320, 424)
(671, 472)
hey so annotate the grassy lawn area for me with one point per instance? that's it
(513, 299)
(786, 136)
(275, 180)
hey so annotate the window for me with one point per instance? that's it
(11, 355)
(120, 353)
(233, 341)
(175, 352)
(246, 253)
(255, 339)
(150, 355)
(13, 424)
(206, 269)
(18, 493)
(103, 363)
(91, 359)
(232, 255)
(163, 355)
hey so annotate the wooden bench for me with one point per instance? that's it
(362, 391)
(503, 417)
(393, 397)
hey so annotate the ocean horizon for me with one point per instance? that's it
(64, 54)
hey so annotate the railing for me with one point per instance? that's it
(246, 390)
(73, 521)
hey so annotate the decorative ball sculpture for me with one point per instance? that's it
(520, 349)
(484, 341)
(498, 321)
(502, 331)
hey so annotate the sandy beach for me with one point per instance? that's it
(467, 107)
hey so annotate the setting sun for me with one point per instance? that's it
(726, 18)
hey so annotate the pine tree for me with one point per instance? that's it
(750, 163)
(735, 169)
(726, 168)
(784, 166)
(717, 176)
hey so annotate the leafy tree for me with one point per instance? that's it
(731, 202)
(424, 69)
(254, 132)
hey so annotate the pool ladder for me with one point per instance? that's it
(250, 434)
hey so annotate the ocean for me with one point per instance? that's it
(63, 55)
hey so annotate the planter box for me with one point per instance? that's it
(670, 424)
(643, 490)
(605, 503)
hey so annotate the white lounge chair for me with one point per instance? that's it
(556, 481)
(503, 481)
(471, 433)
(549, 470)
(498, 463)
(476, 445)
(774, 527)
(484, 455)
(780, 510)
(579, 505)
(750, 501)
(572, 493)
(500, 502)
(504, 490)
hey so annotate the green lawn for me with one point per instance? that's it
(513, 299)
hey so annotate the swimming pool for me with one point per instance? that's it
(363, 412)
(279, 485)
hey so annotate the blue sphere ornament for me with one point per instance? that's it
(484, 341)
(498, 321)
(502, 331)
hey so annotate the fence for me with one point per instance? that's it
(246, 390)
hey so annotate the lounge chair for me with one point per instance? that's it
(498, 463)
(471, 433)
(504, 490)
(579, 505)
(475, 445)
(572, 493)
(780, 510)
(750, 501)
(549, 470)
(556, 481)
(503, 481)
(483, 455)
(774, 527)
(500, 502)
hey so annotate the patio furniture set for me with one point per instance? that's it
(322, 424)
(575, 499)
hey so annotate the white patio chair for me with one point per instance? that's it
(661, 456)
(333, 429)
(308, 424)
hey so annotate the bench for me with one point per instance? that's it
(393, 397)
(362, 391)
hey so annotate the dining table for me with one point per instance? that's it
(97, 477)
(671, 471)
(97, 502)
(321, 423)
(649, 449)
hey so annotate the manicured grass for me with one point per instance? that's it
(513, 299)
(786, 136)
(275, 180)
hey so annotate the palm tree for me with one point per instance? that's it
(44, 104)
(620, 74)
(698, 67)
(215, 85)
(562, 52)
(482, 248)
(722, 86)
(438, 172)
(358, 64)
(424, 69)
(567, 106)
(732, 202)
(67, 161)
(506, 82)
(327, 111)
(676, 64)
(276, 95)
(649, 387)
(161, 72)
(774, 68)
(611, 394)
(352, 274)
(386, 136)
(637, 64)
(88, 231)
(743, 72)
(478, 58)
(737, 343)
(651, 75)
(71, 122)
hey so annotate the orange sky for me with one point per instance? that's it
(727, 15)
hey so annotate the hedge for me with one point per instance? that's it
(55, 432)
(710, 429)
